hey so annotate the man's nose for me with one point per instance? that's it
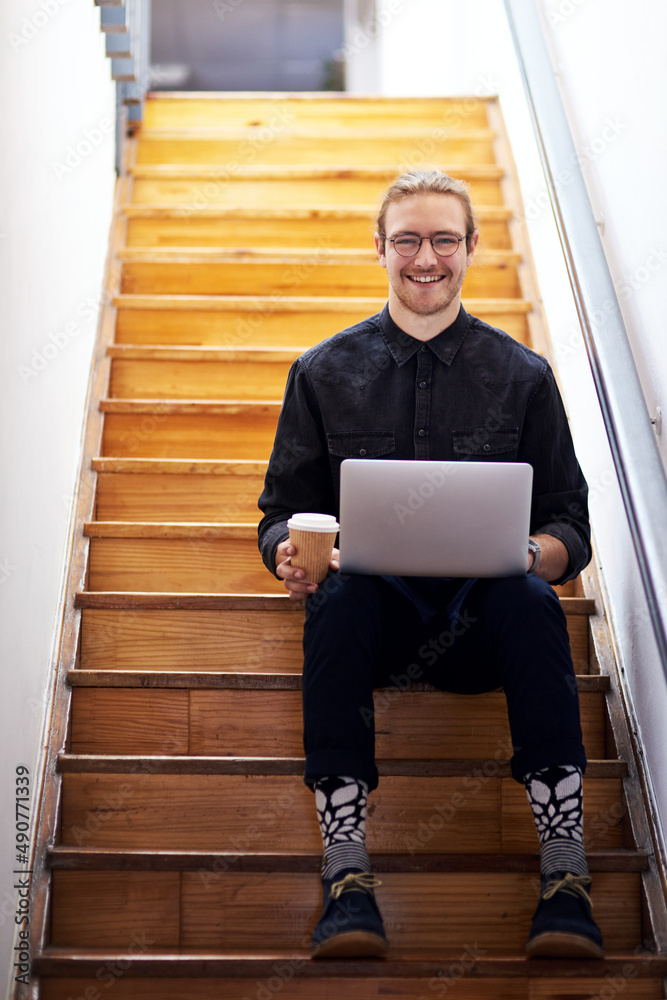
(426, 255)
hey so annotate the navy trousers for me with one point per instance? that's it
(361, 633)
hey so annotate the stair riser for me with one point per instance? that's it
(280, 148)
(262, 327)
(420, 725)
(190, 565)
(202, 911)
(238, 191)
(139, 497)
(350, 233)
(316, 275)
(139, 379)
(476, 813)
(281, 982)
(256, 111)
(199, 435)
(257, 641)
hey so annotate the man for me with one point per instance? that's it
(424, 380)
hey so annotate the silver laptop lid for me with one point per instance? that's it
(414, 518)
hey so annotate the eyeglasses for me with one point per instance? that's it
(444, 244)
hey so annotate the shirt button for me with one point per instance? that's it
(362, 451)
(487, 447)
(422, 348)
(422, 385)
(422, 432)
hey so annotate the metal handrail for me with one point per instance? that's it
(640, 472)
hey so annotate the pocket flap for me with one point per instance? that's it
(361, 444)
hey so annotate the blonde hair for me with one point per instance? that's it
(427, 182)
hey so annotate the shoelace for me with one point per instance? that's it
(355, 880)
(573, 885)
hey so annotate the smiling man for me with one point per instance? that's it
(423, 379)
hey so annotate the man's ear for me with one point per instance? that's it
(474, 239)
(380, 248)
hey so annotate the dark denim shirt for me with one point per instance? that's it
(470, 394)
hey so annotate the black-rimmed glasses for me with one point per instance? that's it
(409, 244)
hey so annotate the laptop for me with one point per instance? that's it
(415, 518)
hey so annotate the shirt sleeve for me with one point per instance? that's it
(299, 476)
(560, 492)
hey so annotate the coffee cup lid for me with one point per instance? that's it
(313, 522)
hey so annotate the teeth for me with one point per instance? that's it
(426, 278)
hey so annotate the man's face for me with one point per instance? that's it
(425, 284)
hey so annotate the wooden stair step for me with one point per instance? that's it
(164, 490)
(239, 681)
(476, 977)
(315, 147)
(243, 602)
(205, 558)
(115, 859)
(171, 764)
(218, 227)
(320, 272)
(198, 373)
(211, 804)
(252, 911)
(283, 321)
(260, 187)
(222, 632)
(172, 110)
(205, 429)
(267, 722)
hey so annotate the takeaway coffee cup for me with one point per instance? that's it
(313, 537)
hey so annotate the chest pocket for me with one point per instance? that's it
(360, 444)
(482, 442)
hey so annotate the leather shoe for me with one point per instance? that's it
(563, 926)
(351, 924)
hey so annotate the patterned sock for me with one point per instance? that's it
(555, 796)
(341, 811)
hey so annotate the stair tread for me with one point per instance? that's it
(173, 764)
(63, 961)
(167, 406)
(159, 352)
(307, 131)
(96, 858)
(179, 466)
(242, 680)
(274, 255)
(379, 172)
(170, 529)
(295, 303)
(235, 601)
(485, 213)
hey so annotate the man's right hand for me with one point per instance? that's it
(293, 578)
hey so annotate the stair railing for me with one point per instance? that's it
(639, 468)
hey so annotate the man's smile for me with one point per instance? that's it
(425, 278)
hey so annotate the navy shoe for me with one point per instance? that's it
(350, 925)
(563, 926)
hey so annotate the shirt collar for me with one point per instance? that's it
(444, 345)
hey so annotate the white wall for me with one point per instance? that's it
(610, 55)
(55, 93)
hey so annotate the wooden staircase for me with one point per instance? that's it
(178, 850)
